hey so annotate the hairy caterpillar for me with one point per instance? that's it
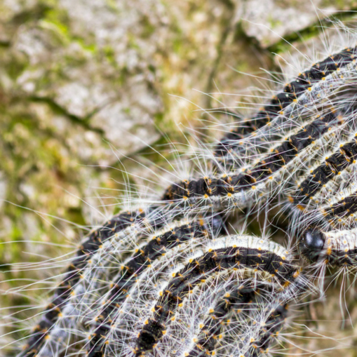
(143, 258)
(119, 233)
(267, 176)
(221, 314)
(220, 259)
(290, 93)
(148, 284)
(123, 222)
(211, 329)
(294, 96)
(326, 203)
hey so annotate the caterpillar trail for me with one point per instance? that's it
(177, 278)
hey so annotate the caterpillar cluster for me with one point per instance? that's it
(171, 279)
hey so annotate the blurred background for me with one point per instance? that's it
(88, 86)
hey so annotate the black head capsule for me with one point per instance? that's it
(312, 244)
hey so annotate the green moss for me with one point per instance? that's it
(57, 20)
(16, 66)
(274, 23)
(112, 5)
(57, 109)
(75, 215)
(16, 247)
(148, 29)
(132, 41)
(109, 54)
(31, 15)
(300, 36)
(86, 44)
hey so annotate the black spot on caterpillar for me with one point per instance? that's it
(197, 270)
(281, 100)
(312, 244)
(142, 259)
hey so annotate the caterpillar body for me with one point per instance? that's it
(125, 327)
(286, 162)
(326, 204)
(198, 270)
(294, 94)
(119, 227)
(221, 314)
(290, 93)
(142, 259)
(211, 329)
(72, 276)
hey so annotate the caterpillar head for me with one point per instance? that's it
(312, 244)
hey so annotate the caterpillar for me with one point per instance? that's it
(268, 175)
(326, 203)
(211, 329)
(218, 259)
(149, 285)
(117, 227)
(290, 93)
(238, 318)
(221, 314)
(142, 259)
(118, 233)
(295, 94)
